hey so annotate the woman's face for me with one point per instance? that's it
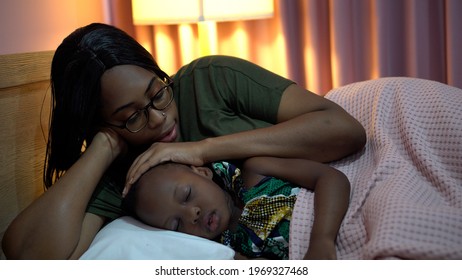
(126, 89)
(185, 199)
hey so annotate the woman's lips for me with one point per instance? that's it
(170, 136)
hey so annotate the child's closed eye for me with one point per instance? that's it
(188, 193)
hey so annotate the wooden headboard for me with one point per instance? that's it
(24, 112)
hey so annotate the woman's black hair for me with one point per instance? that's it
(76, 70)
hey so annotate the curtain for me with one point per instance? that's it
(324, 44)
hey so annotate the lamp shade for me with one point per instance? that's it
(149, 12)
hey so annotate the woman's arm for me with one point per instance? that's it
(309, 127)
(52, 227)
(331, 198)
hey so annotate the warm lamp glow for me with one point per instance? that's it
(150, 12)
(203, 12)
(207, 31)
(229, 10)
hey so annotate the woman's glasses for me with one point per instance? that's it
(161, 100)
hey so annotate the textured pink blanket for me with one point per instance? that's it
(406, 198)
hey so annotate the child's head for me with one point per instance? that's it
(181, 198)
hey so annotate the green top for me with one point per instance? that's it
(215, 95)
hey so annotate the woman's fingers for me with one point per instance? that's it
(141, 164)
(154, 155)
(185, 153)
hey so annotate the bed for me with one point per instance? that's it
(406, 199)
(24, 83)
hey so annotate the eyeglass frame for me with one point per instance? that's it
(145, 109)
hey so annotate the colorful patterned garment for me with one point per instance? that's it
(263, 229)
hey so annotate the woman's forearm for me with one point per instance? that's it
(50, 227)
(321, 136)
(308, 127)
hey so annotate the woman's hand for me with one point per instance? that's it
(191, 153)
(107, 141)
(110, 139)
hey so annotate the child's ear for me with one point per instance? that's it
(204, 171)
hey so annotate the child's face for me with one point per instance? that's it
(184, 199)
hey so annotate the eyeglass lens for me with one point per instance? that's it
(160, 101)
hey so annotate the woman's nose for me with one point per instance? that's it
(156, 117)
(195, 213)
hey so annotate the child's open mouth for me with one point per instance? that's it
(212, 221)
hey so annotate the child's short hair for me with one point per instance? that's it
(130, 201)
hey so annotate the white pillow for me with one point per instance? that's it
(128, 239)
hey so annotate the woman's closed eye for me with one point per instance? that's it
(159, 96)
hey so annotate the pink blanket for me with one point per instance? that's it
(406, 197)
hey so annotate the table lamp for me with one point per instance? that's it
(203, 12)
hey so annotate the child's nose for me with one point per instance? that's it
(195, 214)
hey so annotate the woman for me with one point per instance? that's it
(111, 101)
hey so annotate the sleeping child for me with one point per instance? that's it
(248, 209)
